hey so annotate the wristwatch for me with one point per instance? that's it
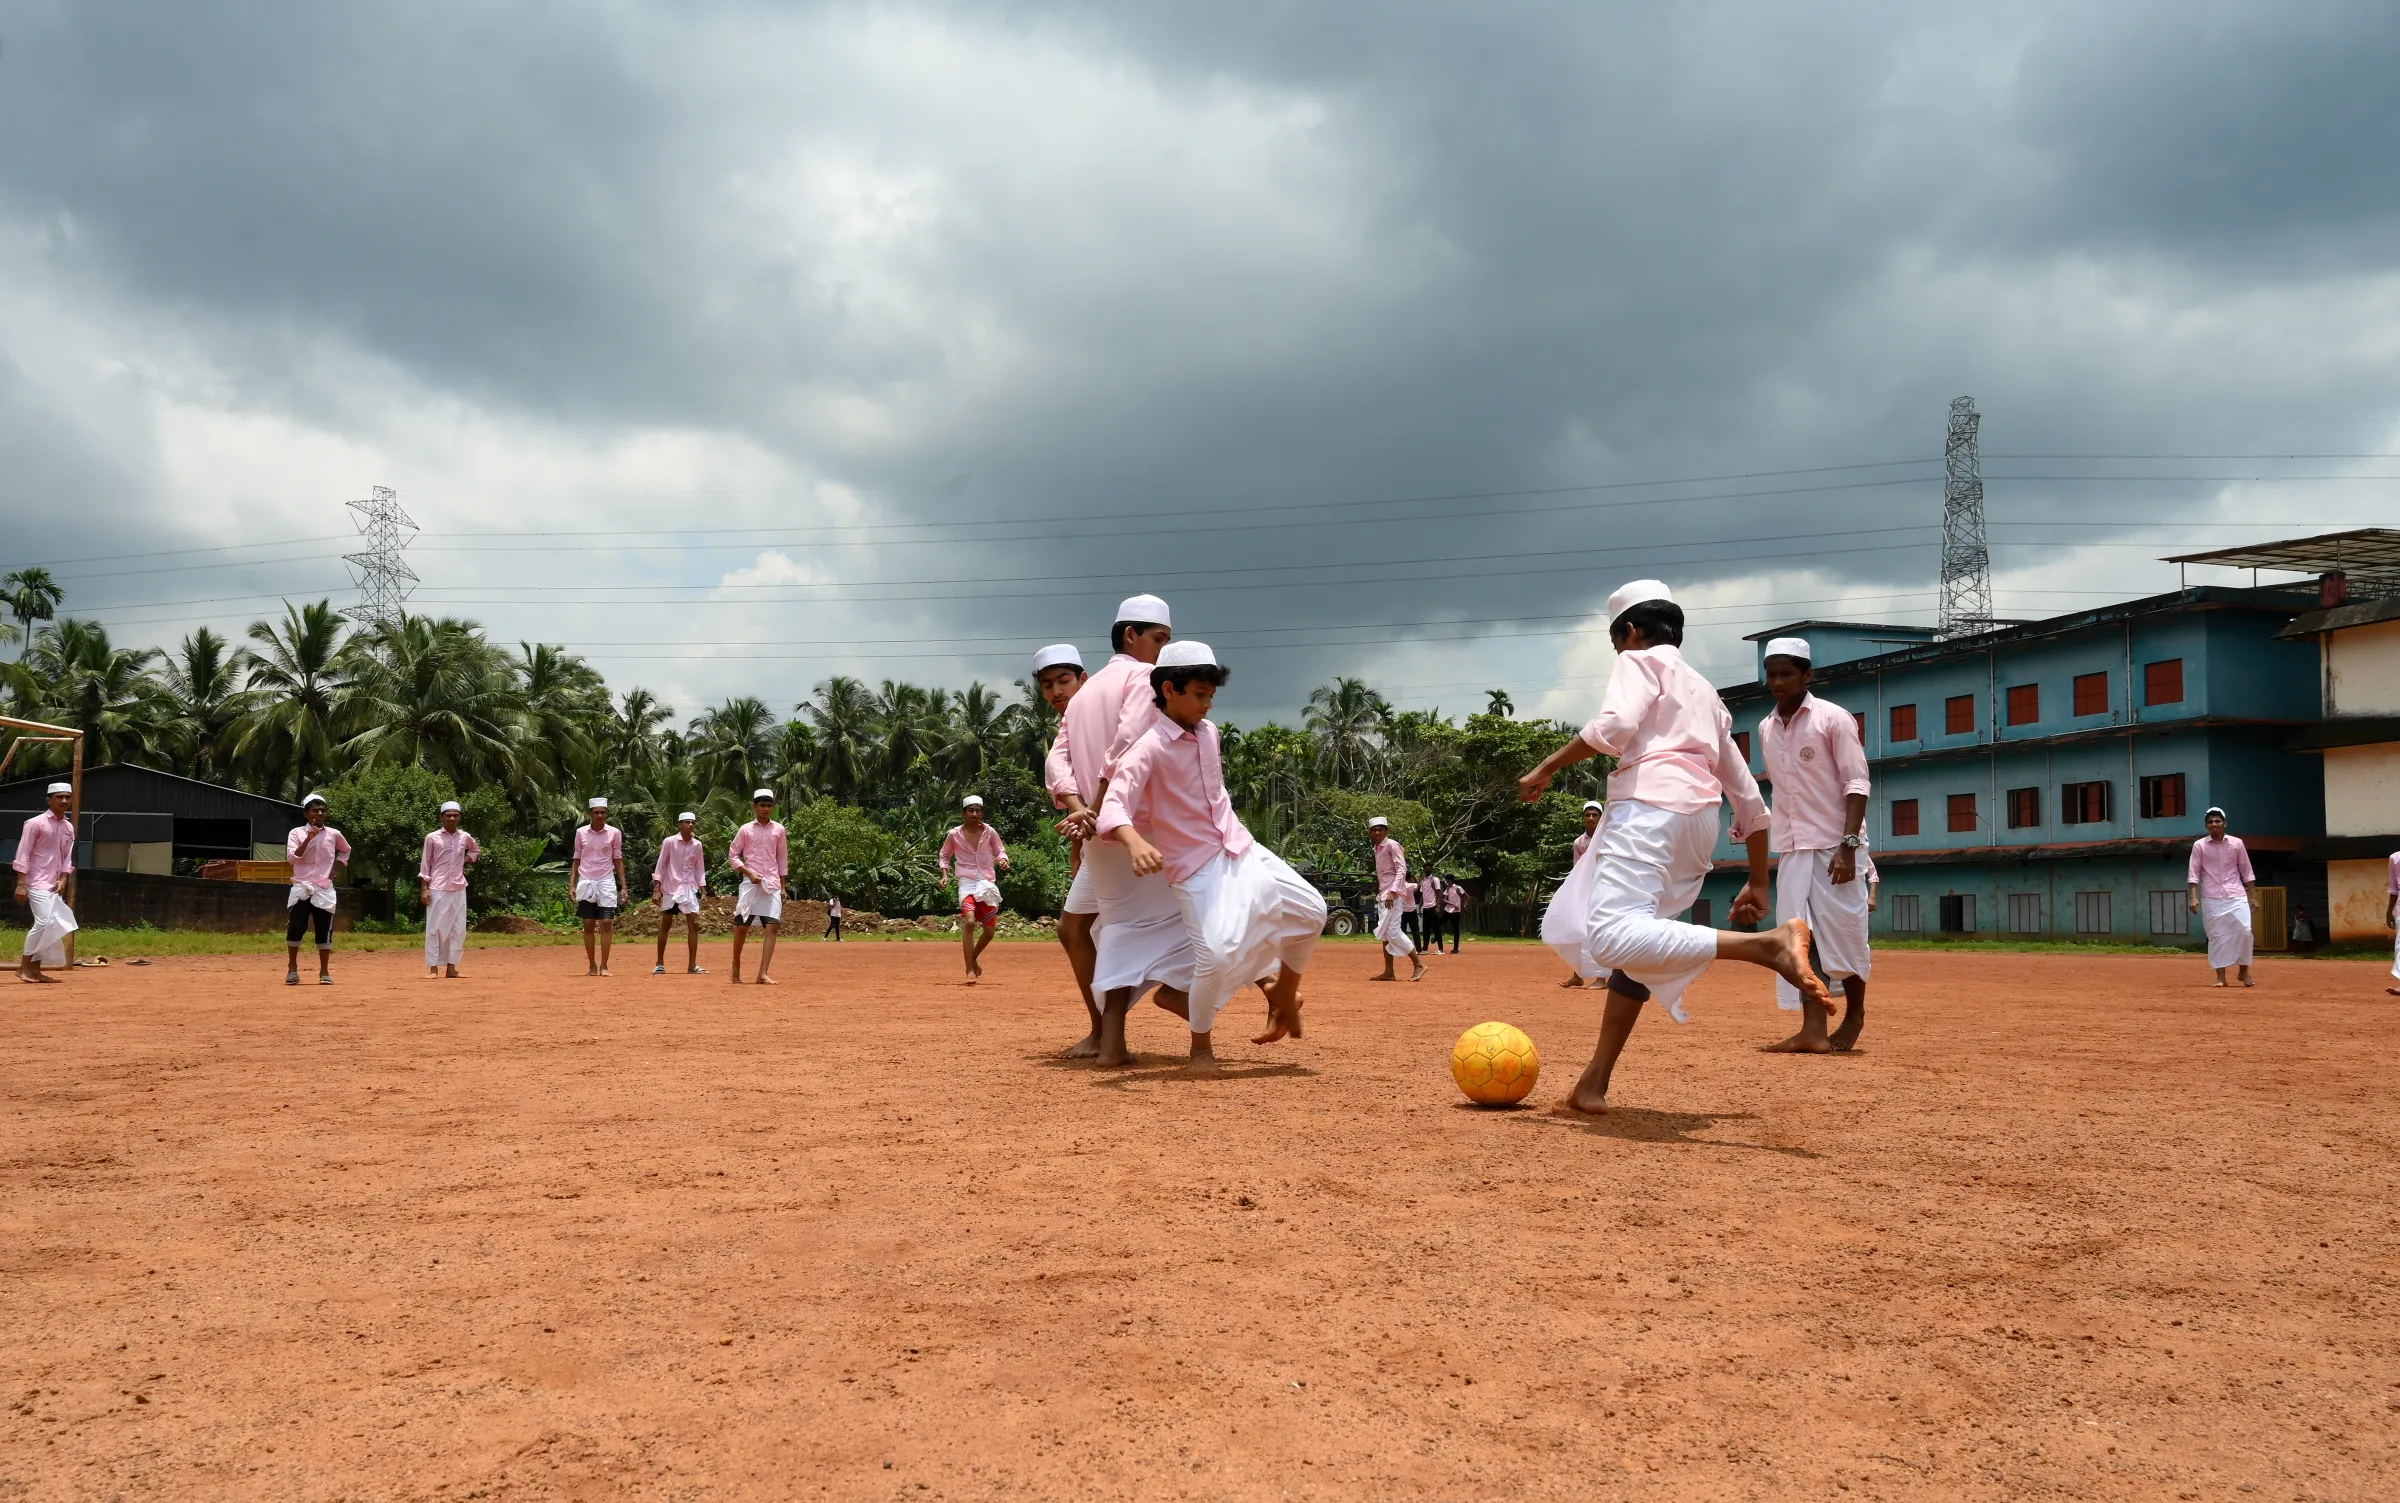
(1853, 842)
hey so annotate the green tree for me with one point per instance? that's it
(974, 737)
(733, 745)
(1347, 719)
(836, 850)
(31, 595)
(204, 680)
(566, 715)
(1498, 703)
(635, 745)
(294, 675)
(107, 692)
(432, 693)
(385, 813)
(842, 713)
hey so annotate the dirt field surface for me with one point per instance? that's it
(2068, 1227)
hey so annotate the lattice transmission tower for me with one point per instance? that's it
(1966, 561)
(382, 576)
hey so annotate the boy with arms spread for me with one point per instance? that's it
(973, 855)
(679, 879)
(315, 849)
(1391, 888)
(1250, 916)
(1058, 674)
(1818, 767)
(45, 858)
(1676, 764)
(599, 868)
(761, 852)
(442, 892)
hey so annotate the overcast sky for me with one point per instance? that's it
(735, 346)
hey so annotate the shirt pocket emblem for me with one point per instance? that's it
(1808, 754)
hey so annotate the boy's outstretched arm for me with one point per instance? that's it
(1537, 782)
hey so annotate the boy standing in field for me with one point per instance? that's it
(1676, 764)
(679, 879)
(45, 859)
(599, 868)
(1249, 915)
(1592, 811)
(973, 854)
(1391, 890)
(1429, 912)
(761, 853)
(315, 849)
(1058, 674)
(1818, 766)
(442, 892)
(2224, 890)
(1454, 904)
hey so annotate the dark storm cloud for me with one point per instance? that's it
(978, 262)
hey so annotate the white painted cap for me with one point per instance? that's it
(1790, 647)
(1379, 823)
(1057, 655)
(2212, 809)
(1143, 608)
(687, 817)
(1592, 806)
(971, 801)
(598, 803)
(766, 793)
(1641, 590)
(1187, 655)
(61, 788)
(450, 806)
(314, 798)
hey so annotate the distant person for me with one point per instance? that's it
(1408, 912)
(973, 856)
(1817, 764)
(2304, 930)
(599, 871)
(1870, 876)
(679, 880)
(833, 919)
(315, 849)
(1391, 887)
(2391, 920)
(442, 892)
(45, 859)
(1058, 676)
(1454, 909)
(761, 852)
(2223, 891)
(1429, 913)
(1592, 810)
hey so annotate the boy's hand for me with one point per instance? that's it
(1749, 905)
(1001, 864)
(424, 895)
(1534, 784)
(1146, 859)
(1844, 866)
(20, 890)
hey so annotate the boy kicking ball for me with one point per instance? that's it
(442, 892)
(679, 878)
(760, 853)
(974, 857)
(599, 884)
(1676, 764)
(1250, 916)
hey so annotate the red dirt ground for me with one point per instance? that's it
(2072, 1226)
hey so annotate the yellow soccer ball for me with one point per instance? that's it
(1495, 1064)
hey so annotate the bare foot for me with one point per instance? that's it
(766, 980)
(1082, 1048)
(1588, 1100)
(1572, 981)
(1806, 1041)
(604, 970)
(1419, 973)
(1281, 1025)
(1203, 1064)
(1791, 962)
(593, 970)
(1386, 976)
(1112, 1059)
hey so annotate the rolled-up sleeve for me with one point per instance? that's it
(1849, 755)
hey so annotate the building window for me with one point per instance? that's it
(2083, 804)
(1958, 715)
(1958, 913)
(2091, 693)
(1905, 919)
(2162, 683)
(1741, 743)
(1962, 812)
(1904, 722)
(2024, 808)
(2162, 797)
(2024, 704)
(2092, 913)
(1861, 718)
(2170, 912)
(1904, 816)
(2024, 913)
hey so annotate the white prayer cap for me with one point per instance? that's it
(1591, 805)
(766, 793)
(2212, 809)
(314, 798)
(1636, 593)
(1057, 655)
(61, 788)
(598, 803)
(971, 801)
(1790, 647)
(1187, 655)
(687, 817)
(1143, 608)
(1379, 823)
(450, 806)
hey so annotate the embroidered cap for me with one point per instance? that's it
(1790, 647)
(1187, 655)
(314, 798)
(61, 788)
(1379, 823)
(763, 795)
(598, 803)
(1058, 655)
(687, 817)
(971, 801)
(1143, 608)
(1637, 593)
(450, 806)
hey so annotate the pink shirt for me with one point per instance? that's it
(1171, 787)
(1673, 740)
(972, 861)
(46, 851)
(1107, 715)
(1583, 842)
(1815, 762)
(2396, 873)
(1391, 868)
(2220, 867)
(443, 867)
(1454, 898)
(597, 852)
(682, 865)
(763, 851)
(314, 867)
(1429, 894)
(1058, 769)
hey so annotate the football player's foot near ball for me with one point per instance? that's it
(1589, 1096)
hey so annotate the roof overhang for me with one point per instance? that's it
(2370, 556)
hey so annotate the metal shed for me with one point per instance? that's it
(139, 819)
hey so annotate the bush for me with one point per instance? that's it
(384, 812)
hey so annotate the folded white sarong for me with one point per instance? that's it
(446, 927)
(53, 921)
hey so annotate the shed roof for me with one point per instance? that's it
(2369, 555)
(124, 788)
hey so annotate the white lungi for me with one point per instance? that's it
(678, 900)
(1643, 863)
(1083, 894)
(314, 897)
(1140, 940)
(2227, 922)
(758, 903)
(600, 890)
(1249, 916)
(53, 921)
(446, 928)
(983, 891)
(1836, 914)
(1396, 942)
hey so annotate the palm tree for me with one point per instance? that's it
(294, 675)
(795, 754)
(204, 679)
(842, 713)
(1029, 727)
(433, 694)
(107, 692)
(633, 738)
(734, 744)
(977, 735)
(566, 712)
(31, 595)
(1500, 704)
(910, 726)
(1348, 720)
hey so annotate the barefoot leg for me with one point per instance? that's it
(1171, 1000)
(1112, 1028)
(591, 950)
(766, 953)
(1854, 1014)
(1204, 1055)
(1783, 950)
(1616, 1026)
(741, 934)
(608, 937)
(966, 944)
(1283, 1008)
(1075, 937)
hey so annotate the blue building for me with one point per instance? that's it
(2047, 778)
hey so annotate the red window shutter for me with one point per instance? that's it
(1741, 743)
(1861, 718)
(2091, 693)
(1962, 812)
(1958, 715)
(2162, 682)
(1904, 722)
(1904, 816)
(2024, 704)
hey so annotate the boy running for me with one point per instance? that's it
(1818, 767)
(761, 852)
(1429, 913)
(1058, 674)
(315, 849)
(973, 854)
(1391, 890)
(679, 879)
(2223, 891)
(442, 892)
(1250, 916)
(1676, 764)
(599, 868)
(45, 859)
